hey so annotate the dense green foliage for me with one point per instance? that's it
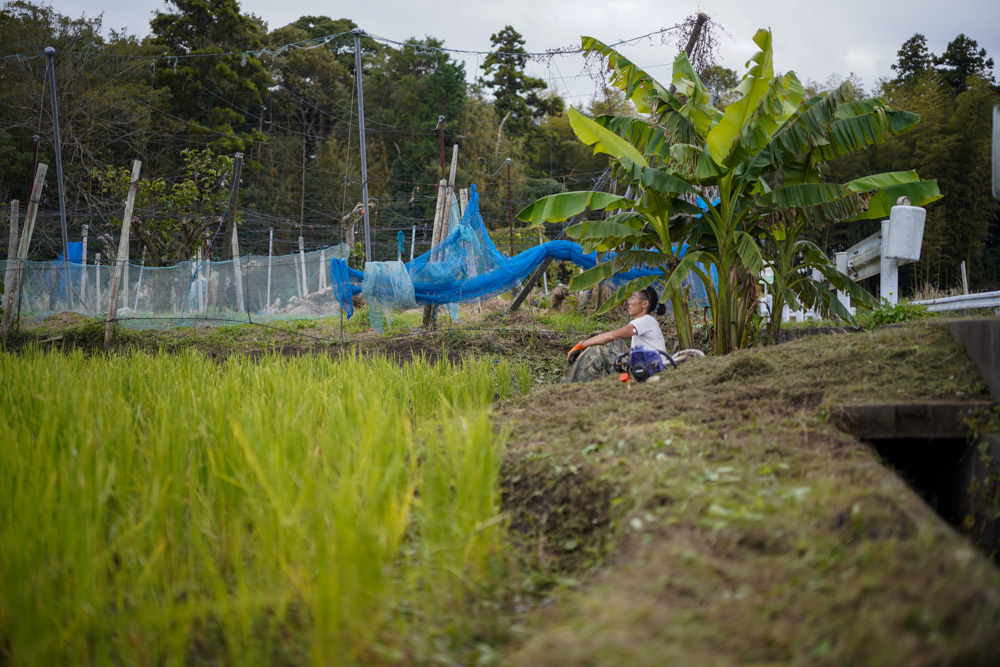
(288, 510)
(292, 112)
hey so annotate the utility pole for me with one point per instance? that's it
(361, 131)
(50, 53)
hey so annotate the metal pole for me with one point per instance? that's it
(50, 53)
(361, 131)
(413, 241)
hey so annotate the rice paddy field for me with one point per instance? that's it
(171, 509)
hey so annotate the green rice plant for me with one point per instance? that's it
(172, 509)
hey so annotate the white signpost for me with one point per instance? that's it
(881, 254)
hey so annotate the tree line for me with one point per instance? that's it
(211, 80)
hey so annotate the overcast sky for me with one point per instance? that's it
(816, 39)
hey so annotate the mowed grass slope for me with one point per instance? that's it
(169, 509)
(745, 528)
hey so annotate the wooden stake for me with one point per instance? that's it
(449, 194)
(14, 287)
(12, 248)
(302, 267)
(109, 326)
(237, 272)
(83, 271)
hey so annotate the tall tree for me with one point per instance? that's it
(218, 97)
(961, 60)
(912, 59)
(517, 97)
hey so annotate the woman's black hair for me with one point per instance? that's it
(655, 307)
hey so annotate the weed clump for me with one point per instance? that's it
(744, 368)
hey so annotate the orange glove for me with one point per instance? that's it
(575, 353)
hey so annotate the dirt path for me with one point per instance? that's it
(745, 527)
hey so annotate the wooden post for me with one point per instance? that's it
(270, 255)
(449, 194)
(237, 271)
(12, 248)
(83, 269)
(430, 312)
(510, 209)
(142, 265)
(540, 271)
(302, 267)
(437, 235)
(463, 200)
(529, 283)
(109, 326)
(545, 275)
(965, 279)
(14, 287)
(322, 269)
(97, 282)
(234, 244)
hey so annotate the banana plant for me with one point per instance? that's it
(684, 148)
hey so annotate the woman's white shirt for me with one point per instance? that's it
(649, 334)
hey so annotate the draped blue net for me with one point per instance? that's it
(465, 267)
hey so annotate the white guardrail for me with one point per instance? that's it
(962, 302)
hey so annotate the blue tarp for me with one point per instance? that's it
(75, 262)
(466, 266)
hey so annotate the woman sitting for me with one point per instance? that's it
(593, 358)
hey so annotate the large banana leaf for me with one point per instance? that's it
(855, 133)
(749, 252)
(807, 130)
(654, 179)
(563, 206)
(880, 205)
(592, 276)
(599, 229)
(649, 139)
(738, 114)
(624, 292)
(784, 95)
(638, 86)
(602, 139)
(814, 200)
(698, 103)
(883, 180)
(591, 228)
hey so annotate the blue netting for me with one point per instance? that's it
(465, 267)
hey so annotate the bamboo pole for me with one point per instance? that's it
(109, 326)
(22, 250)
